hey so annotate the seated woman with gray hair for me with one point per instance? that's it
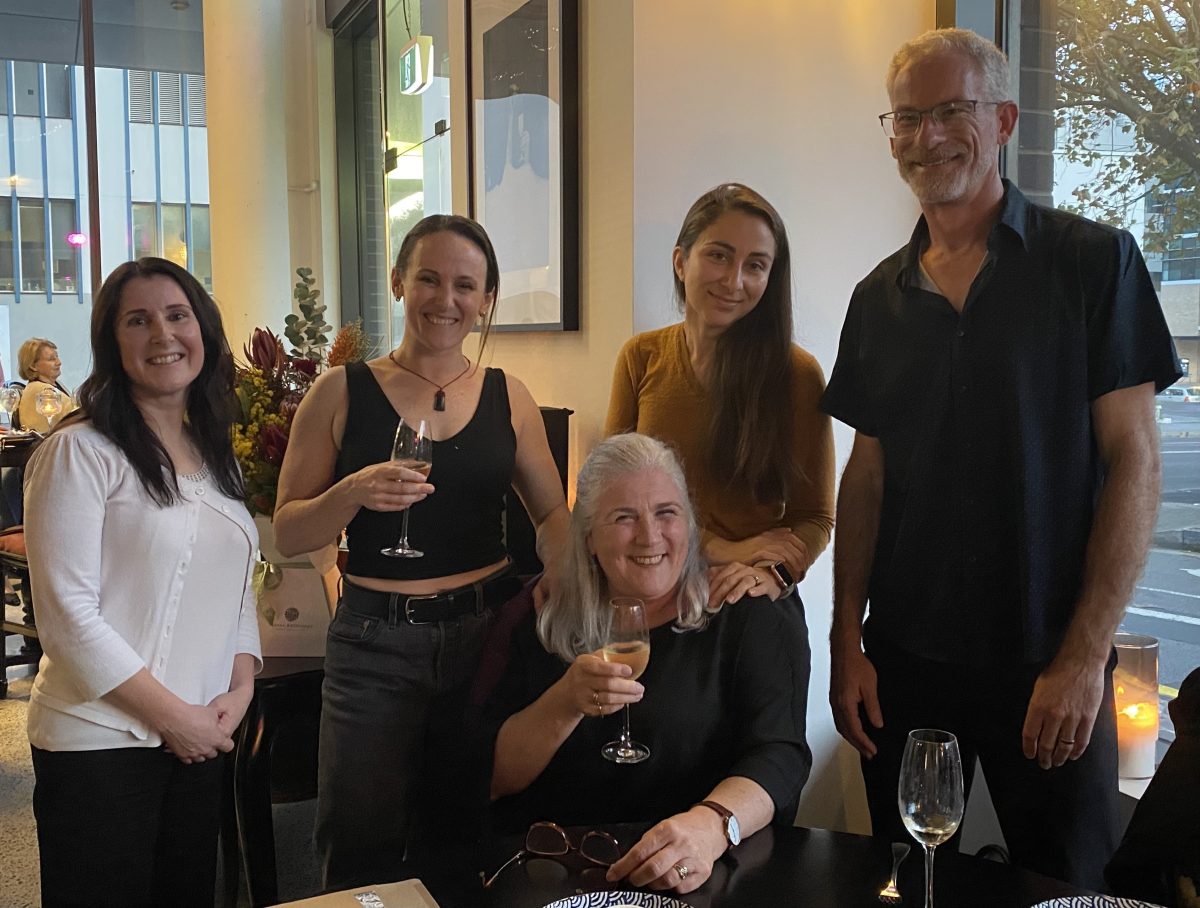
(721, 704)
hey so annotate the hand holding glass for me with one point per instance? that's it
(628, 642)
(931, 792)
(412, 448)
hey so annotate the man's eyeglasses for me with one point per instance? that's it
(549, 840)
(900, 124)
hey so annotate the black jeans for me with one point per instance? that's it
(1061, 822)
(130, 827)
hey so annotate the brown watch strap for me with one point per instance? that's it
(724, 812)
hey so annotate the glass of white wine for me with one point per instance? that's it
(49, 404)
(628, 642)
(930, 793)
(412, 448)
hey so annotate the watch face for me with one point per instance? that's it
(733, 830)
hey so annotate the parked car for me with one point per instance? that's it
(1175, 395)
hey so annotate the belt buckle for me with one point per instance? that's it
(409, 600)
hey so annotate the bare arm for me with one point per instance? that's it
(852, 677)
(1066, 698)
(694, 839)
(529, 739)
(312, 508)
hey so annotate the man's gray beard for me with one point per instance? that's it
(935, 189)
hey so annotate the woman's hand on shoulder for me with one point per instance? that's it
(195, 733)
(593, 687)
(693, 840)
(730, 583)
(777, 544)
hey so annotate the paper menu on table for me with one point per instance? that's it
(405, 894)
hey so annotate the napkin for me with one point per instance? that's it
(405, 894)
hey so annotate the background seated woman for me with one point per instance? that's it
(721, 705)
(39, 365)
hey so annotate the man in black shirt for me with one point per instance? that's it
(997, 506)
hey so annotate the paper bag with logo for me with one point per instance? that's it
(293, 603)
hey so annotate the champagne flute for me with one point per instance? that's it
(49, 404)
(628, 642)
(930, 792)
(412, 448)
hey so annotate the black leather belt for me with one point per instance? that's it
(431, 608)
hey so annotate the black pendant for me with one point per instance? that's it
(439, 400)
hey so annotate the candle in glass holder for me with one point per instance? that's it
(1135, 687)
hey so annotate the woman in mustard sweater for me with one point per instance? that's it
(728, 389)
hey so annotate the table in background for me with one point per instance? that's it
(813, 868)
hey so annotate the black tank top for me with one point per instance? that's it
(459, 527)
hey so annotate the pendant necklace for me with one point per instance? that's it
(439, 399)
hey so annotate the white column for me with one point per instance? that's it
(247, 163)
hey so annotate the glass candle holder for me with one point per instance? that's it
(1135, 687)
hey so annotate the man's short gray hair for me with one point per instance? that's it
(990, 60)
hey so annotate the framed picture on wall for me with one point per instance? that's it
(523, 155)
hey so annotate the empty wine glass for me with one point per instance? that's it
(412, 448)
(10, 399)
(930, 793)
(628, 642)
(49, 404)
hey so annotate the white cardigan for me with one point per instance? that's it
(107, 567)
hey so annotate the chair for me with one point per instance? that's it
(14, 566)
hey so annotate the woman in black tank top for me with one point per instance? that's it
(406, 636)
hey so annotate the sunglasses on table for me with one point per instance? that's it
(549, 840)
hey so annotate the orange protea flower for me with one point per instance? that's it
(350, 345)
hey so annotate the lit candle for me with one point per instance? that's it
(1137, 726)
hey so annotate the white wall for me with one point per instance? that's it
(782, 95)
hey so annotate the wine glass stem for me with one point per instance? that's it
(625, 738)
(404, 529)
(929, 876)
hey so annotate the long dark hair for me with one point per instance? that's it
(750, 385)
(212, 407)
(469, 230)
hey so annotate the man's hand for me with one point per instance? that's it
(1062, 711)
(852, 681)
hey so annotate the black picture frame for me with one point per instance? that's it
(523, 154)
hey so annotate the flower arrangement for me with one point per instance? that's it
(271, 383)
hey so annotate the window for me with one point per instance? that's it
(7, 248)
(31, 227)
(145, 230)
(58, 91)
(1181, 261)
(3, 86)
(64, 263)
(174, 235)
(1106, 130)
(201, 257)
(25, 84)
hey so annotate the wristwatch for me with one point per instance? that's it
(733, 832)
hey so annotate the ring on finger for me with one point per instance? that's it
(682, 869)
(596, 700)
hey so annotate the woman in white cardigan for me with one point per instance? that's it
(140, 554)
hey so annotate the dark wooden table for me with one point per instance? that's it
(812, 868)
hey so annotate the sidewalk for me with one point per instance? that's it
(1178, 526)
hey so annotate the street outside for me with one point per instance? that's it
(1166, 602)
